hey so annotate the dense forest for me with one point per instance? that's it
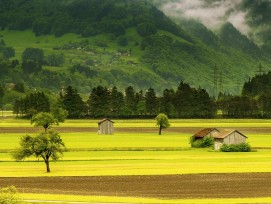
(90, 43)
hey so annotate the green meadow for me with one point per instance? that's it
(137, 153)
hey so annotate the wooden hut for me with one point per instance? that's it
(106, 127)
(206, 132)
(228, 137)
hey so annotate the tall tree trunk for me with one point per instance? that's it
(47, 166)
(160, 129)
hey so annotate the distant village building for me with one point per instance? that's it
(106, 127)
(221, 137)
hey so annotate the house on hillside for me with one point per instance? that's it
(106, 127)
(221, 137)
(206, 132)
(228, 137)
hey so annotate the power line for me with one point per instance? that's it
(260, 70)
(215, 80)
(221, 82)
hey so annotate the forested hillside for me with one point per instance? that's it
(87, 43)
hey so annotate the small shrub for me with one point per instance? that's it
(9, 195)
(122, 41)
(202, 143)
(243, 147)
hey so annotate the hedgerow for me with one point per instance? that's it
(243, 147)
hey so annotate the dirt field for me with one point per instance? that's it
(189, 130)
(165, 186)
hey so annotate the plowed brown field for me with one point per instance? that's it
(238, 185)
(189, 130)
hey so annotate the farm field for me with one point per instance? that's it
(136, 165)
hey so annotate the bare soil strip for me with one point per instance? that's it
(190, 130)
(237, 185)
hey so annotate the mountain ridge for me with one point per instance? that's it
(127, 43)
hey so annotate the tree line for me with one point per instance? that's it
(185, 102)
(254, 102)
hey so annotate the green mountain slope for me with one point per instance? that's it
(122, 43)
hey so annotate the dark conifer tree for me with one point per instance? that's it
(130, 100)
(73, 103)
(99, 102)
(151, 102)
(117, 104)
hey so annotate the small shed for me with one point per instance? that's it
(106, 127)
(206, 132)
(228, 137)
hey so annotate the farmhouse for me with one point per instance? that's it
(221, 137)
(106, 127)
(206, 132)
(228, 137)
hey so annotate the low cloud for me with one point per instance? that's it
(212, 14)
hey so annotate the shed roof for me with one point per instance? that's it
(226, 133)
(205, 132)
(105, 119)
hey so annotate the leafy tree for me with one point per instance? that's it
(55, 60)
(7, 52)
(9, 195)
(45, 145)
(60, 114)
(32, 62)
(45, 120)
(33, 54)
(162, 122)
(31, 66)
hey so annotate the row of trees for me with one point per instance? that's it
(185, 102)
(245, 106)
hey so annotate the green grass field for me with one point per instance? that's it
(137, 153)
(112, 199)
